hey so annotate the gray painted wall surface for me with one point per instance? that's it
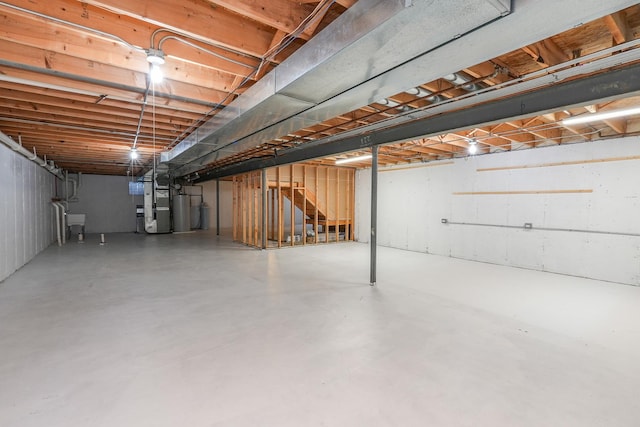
(412, 202)
(226, 204)
(26, 215)
(106, 201)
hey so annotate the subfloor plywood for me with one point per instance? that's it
(194, 330)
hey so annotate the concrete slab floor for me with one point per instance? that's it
(194, 330)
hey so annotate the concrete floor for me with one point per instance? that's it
(189, 330)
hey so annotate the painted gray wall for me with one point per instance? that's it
(106, 201)
(226, 204)
(26, 214)
(412, 203)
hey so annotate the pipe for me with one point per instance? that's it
(74, 191)
(374, 214)
(8, 141)
(56, 207)
(63, 224)
(217, 207)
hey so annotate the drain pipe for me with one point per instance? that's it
(57, 208)
(63, 222)
(60, 223)
(8, 141)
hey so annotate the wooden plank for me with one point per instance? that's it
(337, 189)
(245, 213)
(133, 31)
(554, 164)
(304, 205)
(280, 210)
(104, 72)
(273, 214)
(353, 204)
(293, 206)
(284, 15)
(256, 209)
(253, 39)
(234, 215)
(347, 230)
(326, 195)
(315, 215)
(617, 25)
(486, 193)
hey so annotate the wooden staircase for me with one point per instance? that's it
(309, 208)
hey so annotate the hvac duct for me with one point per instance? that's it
(364, 46)
(445, 56)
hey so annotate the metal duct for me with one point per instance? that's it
(518, 29)
(363, 44)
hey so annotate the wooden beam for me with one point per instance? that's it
(547, 53)
(135, 32)
(618, 26)
(230, 29)
(619, 125)
(80, 69)
(282, 15)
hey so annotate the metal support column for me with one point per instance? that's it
(217, 207)
(374, 212)
(265, 187)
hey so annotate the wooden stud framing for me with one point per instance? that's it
(315, 214)
(279, 207)
(303, 237)
(292, 221)
(337, 191)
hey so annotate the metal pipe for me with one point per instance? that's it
(531, 227)
(210, 52)
(374, 214)
(63, 223)
(217, 207)
(57, 208)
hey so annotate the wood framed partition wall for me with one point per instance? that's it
(305, 204)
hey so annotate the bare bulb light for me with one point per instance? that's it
(473, 147)
(134, 154)
(155, 73)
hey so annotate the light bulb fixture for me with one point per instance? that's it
(353, 159)
(134, 153)
(586, 118)
(155, 57)
(155, 73)
(473, 146)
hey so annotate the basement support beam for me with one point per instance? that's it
(217, 207)
(374, 214)
(610, 85)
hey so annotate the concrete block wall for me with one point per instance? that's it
(603, 203)
(26, 215)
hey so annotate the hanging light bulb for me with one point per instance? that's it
(134, 153)
(155, 57)
(473, 147)
(155, 73)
